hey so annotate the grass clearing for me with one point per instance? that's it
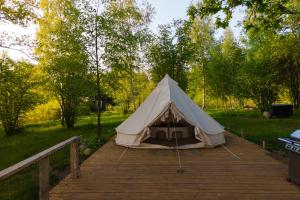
(40, 136)
(256, 128)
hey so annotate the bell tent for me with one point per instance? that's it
(169, 116)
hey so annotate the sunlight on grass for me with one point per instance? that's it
(40, 136)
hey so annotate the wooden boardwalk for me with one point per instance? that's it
(239, 170)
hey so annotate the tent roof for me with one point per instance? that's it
(168, 92)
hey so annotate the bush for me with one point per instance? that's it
(43, 112)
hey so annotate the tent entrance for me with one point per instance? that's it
(166, 129)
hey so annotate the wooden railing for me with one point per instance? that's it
(42, 159)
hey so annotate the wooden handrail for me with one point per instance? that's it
(42, 159)
(35, 158)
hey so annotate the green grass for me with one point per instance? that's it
(256, 128)
(40, 136)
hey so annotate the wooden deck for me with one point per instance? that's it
(140, 174)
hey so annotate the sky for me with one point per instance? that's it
(165, 12)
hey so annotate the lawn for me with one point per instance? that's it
(256, 128)
(40, 136)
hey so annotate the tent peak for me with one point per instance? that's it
(167, 80)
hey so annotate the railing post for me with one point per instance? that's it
(74, 159)
(264, 145)
(44, 179)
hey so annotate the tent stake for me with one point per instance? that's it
(180, 171)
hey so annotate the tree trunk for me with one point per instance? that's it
(98, 82)
(69, 114)
(204, 91)
(62, 110)
(70, 121)
(62, 117)
(10, 128)
(132, 93)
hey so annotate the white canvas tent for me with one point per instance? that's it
(165, 100)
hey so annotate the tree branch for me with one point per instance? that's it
(14, 49)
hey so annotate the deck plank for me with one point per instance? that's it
(144, 174)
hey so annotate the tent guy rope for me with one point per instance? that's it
(228, 150)
(179, 170)
(123, 153)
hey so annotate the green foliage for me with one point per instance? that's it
(195, 84)
(117, 85)
(265, 65)
(261, 14)
(224, 69)
(17, 83)
(260, 72)
(218, 77)
(43, 112)
(287, 55)
(62, 55)
(81, 42)
(201, 35)
(170, 52)
(18, 12)
(126, 34)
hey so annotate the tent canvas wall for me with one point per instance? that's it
(166, 100)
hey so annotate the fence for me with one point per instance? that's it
(32, 178)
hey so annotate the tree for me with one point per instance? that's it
(226, 59)
(117, 85)
(218, 75)
(18, 12)
(286, 53)
(170, 52)
(112, 38)
(127, 34)
(17, 95)
(202, 40)
(62, 55)
(233, 57)
(261, 14)
(261, 70)
(94, 23)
